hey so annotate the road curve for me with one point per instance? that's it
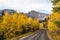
(40, 35)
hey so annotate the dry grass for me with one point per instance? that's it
(18, 37)
(54, 36)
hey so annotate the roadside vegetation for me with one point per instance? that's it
(52, 25)
(54, 21)
(16, 24)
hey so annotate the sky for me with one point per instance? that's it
(26, 5)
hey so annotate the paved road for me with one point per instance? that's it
(40, 35)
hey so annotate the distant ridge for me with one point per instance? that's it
(4, 10)
(34, 14)
(38, 15)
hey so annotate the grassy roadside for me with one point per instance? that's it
(54, 36)
(18, 37)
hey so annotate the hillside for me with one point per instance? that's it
(38, 15)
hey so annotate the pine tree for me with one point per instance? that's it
(56, 5)
(54, 18)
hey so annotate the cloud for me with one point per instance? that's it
(26, 5)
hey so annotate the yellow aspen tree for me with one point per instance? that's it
(29, 21)
(6, 17)
(41, 26)
(35, 24)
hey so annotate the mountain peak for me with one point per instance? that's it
(38, 15)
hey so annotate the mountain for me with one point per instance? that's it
(38, 15)
(4, 10)
(1, 12)
(9, 10)
(34, 14)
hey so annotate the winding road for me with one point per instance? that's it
(40, 35)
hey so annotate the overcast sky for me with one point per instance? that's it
(26, 5)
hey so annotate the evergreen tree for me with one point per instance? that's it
(56, 7)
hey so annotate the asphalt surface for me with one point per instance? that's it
(40, 35)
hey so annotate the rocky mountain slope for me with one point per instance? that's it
(9, 11)
(33, 14)
(38, 15)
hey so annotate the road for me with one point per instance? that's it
(40, 35)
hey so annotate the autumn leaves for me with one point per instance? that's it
(17, 24)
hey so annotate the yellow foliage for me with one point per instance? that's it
(29, 20)
(41, 26)
(53, 18)
(6, 17)
(35, 24)
(16, 24)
